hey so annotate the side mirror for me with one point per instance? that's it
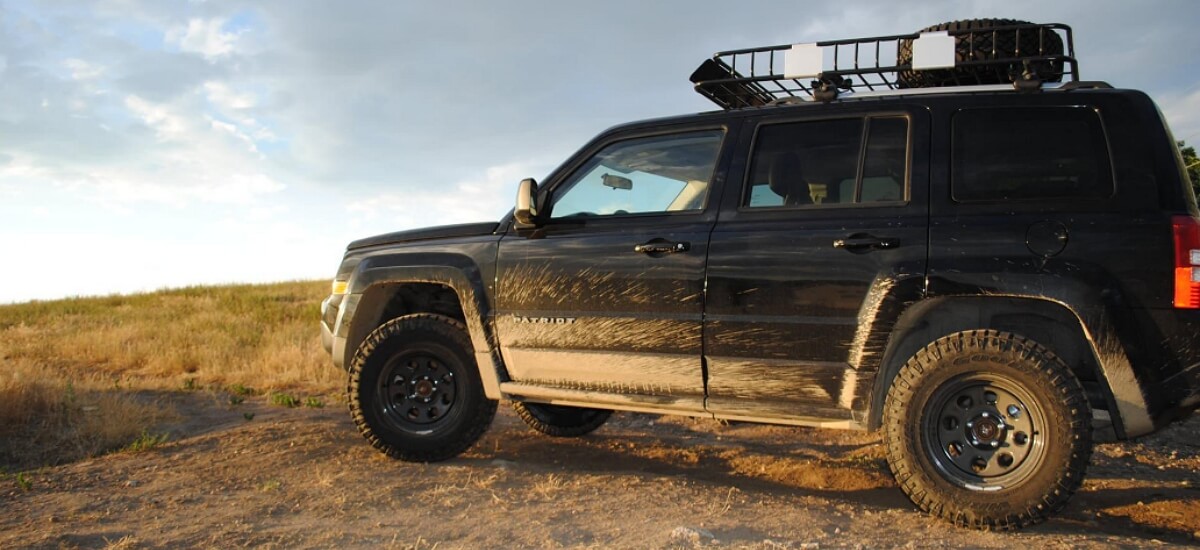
(526, 213)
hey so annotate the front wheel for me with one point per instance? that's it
(987, 429)
(415, 392)
(560, 421)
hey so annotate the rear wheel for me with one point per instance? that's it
(560, 421)
(415, 392)
(987, 429)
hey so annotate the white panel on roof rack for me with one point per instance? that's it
(933, 50)
(803, 60)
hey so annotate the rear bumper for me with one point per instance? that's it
(1175, 388)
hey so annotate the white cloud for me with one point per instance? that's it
(482, 198)
(166, 123)
(235, 106)
(82, 70)
(221, 95)
(233, 130)
(205, 37)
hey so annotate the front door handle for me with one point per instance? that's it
(863, 242)
(660, 246)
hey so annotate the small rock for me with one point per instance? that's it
(691, 535)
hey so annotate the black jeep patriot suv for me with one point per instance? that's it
(956, 241)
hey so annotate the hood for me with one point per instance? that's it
(424, 233)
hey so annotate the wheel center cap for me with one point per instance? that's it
(424, 388)
(986, 429)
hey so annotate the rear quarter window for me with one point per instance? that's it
(1028, 154)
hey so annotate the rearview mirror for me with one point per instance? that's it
(617, 182)
(526, 211)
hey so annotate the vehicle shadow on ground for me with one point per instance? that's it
(835, 471)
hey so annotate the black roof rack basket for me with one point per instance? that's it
(1021, 54)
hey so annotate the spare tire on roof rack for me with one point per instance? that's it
(988, 51)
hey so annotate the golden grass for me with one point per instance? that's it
(48, 418)
(261, 336)
(71, 370)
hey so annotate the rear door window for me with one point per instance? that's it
(829, 162)
(1027, 154)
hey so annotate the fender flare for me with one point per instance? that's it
(464, 280)
(1103, 346)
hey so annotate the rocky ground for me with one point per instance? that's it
(304, 477)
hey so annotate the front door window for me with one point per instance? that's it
(647, 175)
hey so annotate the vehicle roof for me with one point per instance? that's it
(929, 97)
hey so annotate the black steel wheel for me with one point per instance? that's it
(987, 429)
(561, 421)
(984, 431)
(415, 391)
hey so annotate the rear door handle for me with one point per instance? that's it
(861, 242)
(660, 246)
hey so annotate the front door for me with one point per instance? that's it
(606, 297)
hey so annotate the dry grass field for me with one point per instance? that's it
(83, 376)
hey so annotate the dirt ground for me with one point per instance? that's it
(305, 478)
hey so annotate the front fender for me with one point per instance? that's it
(365, 302)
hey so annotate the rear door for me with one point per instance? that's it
(815, 251)
(607, 296)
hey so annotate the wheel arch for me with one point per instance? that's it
(380, 293)
(1050, 323)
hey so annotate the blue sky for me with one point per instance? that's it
(151, 143)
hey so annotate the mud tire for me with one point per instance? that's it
(980, 47)
(560, 421)
(438, 410)
(919, 413)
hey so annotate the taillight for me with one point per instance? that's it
(1187, 262)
